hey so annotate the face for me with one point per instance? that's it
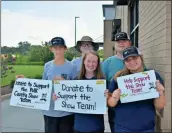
(134, 63)
(86, 47)
(58, 50)
(91, 62)
(121, 45)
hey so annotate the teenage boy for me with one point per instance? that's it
(58, 69)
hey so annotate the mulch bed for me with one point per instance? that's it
(6, 90)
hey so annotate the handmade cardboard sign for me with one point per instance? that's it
(139, 86)
(81, 96)
(31, 93)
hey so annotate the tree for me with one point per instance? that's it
(23, 47)
(47, 55)
(101, 53)
(35, 54)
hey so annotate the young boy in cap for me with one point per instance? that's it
(83, 46)
(114, 64)
(58, 69)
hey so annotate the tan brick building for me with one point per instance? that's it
(148, 24)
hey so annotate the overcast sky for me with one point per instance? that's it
(37, 21)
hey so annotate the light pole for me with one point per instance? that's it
(75, 32)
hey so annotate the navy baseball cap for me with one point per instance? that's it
(131, 51)
(58, 41)
(121, 36)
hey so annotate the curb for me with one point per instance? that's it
(4, 97)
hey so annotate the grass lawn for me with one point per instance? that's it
(27, 70)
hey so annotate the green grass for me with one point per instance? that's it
(27, 70)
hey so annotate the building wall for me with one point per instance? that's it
(122, 13)
(155, 44)
(108, 44)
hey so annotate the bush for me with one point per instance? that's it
(12, 83)
(28, 63)
(38, 77)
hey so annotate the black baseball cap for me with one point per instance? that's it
(57, 41)
(121, 36)
(131, 51)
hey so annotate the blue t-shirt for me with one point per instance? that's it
(88, 122)
(67, 71)
(111, 66)
(77, 62)
(136, 116)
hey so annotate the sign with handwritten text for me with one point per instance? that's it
(31, 93)
(81, 96)
(138, 86)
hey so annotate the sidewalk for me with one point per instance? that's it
(14, 119)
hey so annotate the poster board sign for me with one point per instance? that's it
(139, 86)
(31, 93)
(81, 96)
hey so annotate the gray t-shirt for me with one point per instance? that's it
(68, 72)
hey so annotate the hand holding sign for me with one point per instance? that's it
(20, 76)
(106, 93)
(116, 94)
(160, 88)
(54, 96)
(57, 78)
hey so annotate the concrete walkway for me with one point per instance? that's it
(16, 119)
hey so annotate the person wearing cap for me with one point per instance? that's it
(83, 46)
(136, 116)
(113, 64)
(58, 69)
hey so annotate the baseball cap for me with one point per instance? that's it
(131, 51)
(58, 41)
(121, 36)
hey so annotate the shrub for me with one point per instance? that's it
(29, 63)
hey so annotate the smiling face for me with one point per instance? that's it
(134, 63)
(91, 62)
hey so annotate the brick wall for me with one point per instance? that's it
(155, 44)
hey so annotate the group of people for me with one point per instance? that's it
(123, 117)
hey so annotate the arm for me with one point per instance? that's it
(114, 94)
(114, 99)
(160, 102)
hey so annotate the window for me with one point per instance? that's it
(134, 22)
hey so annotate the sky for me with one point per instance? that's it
(37, 21)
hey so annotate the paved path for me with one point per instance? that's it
(15, 119)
